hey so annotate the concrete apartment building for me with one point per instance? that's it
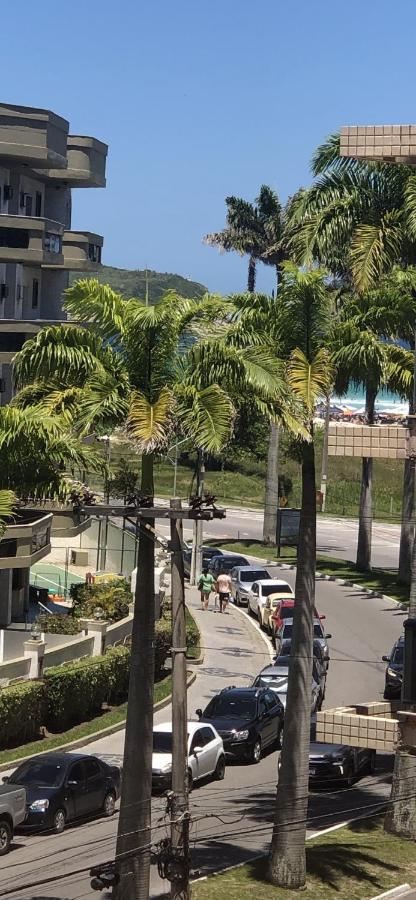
(40, 164)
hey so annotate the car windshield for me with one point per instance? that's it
(48, 774)
(397, 657)
(231, 708)
(226, 563)
(317, 630)
(277, 682)
(274, 589)
(162, 742)
(253, 575)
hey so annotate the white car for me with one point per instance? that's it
(205, 754)
(261, 590)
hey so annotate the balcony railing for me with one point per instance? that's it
(81, 251)
(35, 137)
(27, 239)
(86, 162)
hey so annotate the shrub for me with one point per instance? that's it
(22, 709)
(61, 623)
(113, 597)
(76, 692)
(163, 642)
(193, 636)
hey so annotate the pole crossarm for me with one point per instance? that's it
(153, 512)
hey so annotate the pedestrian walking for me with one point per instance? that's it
(223, 588)
(205, 586)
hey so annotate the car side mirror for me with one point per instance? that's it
(384, 658)
(328, 636)
(198, 713)
(322, 617)
(72, 782)
(197, 750)
(5, 779)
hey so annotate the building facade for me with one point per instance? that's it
(40, 164)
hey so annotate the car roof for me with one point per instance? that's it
(60, 758)
(248, 568)
(286, 601)
(241, 691)
(166, 727)
(267, 581)
(272, 670)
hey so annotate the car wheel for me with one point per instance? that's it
(109, 804)
(220, 769)
(349, 775)
(6, 836)
(255, 752)
(189, 781)
(58, 821)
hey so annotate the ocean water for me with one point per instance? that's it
(386, 402)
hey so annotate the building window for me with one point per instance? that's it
(14, 237)
(40, 539)
(8, 548)
(38, 205)
(28, 204)
(52, 243)
(94, 253)
(35, 293)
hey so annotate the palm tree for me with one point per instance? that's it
(303, 316)
(130, 368)
(253, 229)
(364, 357)
(8, 500)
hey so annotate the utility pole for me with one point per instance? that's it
(324, 476)
(198, 534)
(179, 801)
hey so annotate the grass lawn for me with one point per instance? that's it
(383, 580)
(162, 689)
(354, 863)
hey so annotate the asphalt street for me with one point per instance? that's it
(231, 819)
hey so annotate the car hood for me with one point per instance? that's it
(396, 667)
(160, 760)
(223, 724)
(325, 751)
(37, 792)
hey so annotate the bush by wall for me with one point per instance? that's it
(76, 692)
(22, 712)
(58, 624)
(113, 597)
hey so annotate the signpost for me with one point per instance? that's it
(287, 530)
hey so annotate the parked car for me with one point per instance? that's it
(12, 813)
(318, 653)
(247, 719)
(226, 563)
(262, 589)
(205, 754)
(276, 678)
(242, 578)
(208, 554)
(394, 671)
(338, 762)
(265, 613)
(284, 635)
(62, 787)
(283, 611)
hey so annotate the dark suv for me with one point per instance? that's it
(394, 671)
(225, 563)
(247, 719)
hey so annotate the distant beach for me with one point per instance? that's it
(385, 403)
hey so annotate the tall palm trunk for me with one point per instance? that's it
(271, 499)
(134, 825)
(251, 279)
(287, 865)
(407, 530)
(365, 525)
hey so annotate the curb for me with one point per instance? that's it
(199, 660)
(90, 738)
(344, 582)
(257, 628)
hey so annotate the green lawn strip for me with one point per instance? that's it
(382, 580)
(194, 636)
(162, 689)
(353, 863)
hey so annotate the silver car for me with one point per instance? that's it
(242, 578)
(276, 678)
(284, 636)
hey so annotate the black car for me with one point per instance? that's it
(247, 719)
(207, 555)
(394, 671)
(61, 787)
(338, 762)
(226, 562)
(320, 666)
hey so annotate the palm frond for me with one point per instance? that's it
(310, 380)
(205, 414)
(375, 248)
(8, 500)
(149, 424)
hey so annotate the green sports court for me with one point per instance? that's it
(55, 579)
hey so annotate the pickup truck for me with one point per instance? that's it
(12, 813)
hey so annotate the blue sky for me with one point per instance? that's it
(199, 100)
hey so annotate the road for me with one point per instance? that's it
(335, 537)
(233, 818)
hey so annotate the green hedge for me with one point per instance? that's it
(22, 710)
(76, 692)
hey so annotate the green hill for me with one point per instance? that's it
(132, 282)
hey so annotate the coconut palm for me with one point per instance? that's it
(303, 317)
(358, 218)
(363, 356)
(129, 368)
(253, 229)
